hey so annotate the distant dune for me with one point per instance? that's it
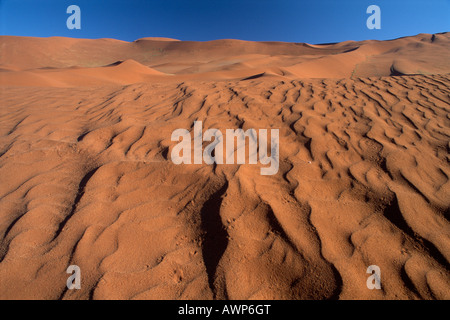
(87, 177)
(157, 39)
(219, 59)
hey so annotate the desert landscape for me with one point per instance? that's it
(87, 178)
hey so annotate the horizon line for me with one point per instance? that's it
(169, 39)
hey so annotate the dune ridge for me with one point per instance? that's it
(218, 59)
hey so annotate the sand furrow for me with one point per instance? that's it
(363, 179)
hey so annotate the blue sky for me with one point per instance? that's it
(312, 21)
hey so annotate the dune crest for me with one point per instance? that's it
(224, 59)
(156, 39)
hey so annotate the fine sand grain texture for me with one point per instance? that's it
(87, 177)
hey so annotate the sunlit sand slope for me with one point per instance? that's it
(87, 180)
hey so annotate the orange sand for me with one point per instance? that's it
(87, 180)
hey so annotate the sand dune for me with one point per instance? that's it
(225, 59)
(119, 72)
(87, 180)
